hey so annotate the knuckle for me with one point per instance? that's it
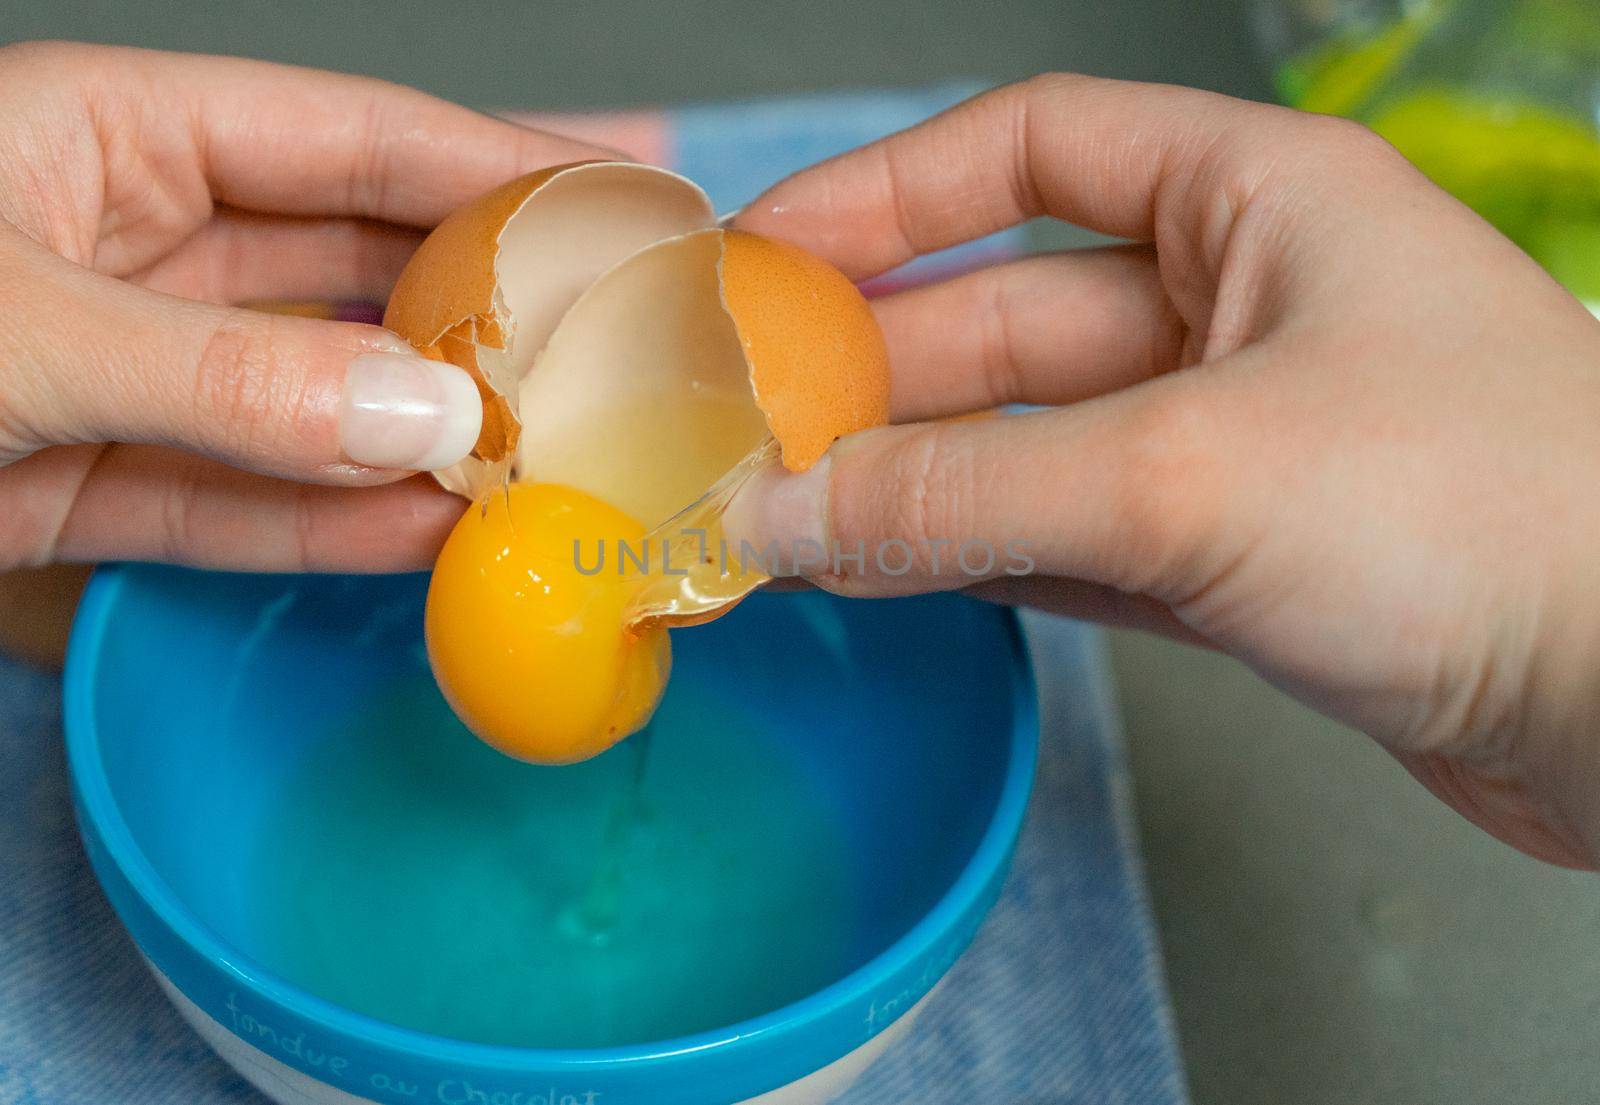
(1167, 486)
(178, 530)
(239, 387)
(1049, 85)
(1345, 134)
(932, 475)
(1349, 147)
(367, 186)
(998, 313)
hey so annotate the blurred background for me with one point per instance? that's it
(1331, 933)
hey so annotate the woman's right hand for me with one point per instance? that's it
(1321, 417)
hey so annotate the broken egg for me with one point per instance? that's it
(636, 361)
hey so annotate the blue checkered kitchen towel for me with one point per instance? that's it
(1059, 1002)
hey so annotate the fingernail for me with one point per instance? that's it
(783, 515)
(405, 411)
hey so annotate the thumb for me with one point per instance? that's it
(87, 358)
(1121, 491)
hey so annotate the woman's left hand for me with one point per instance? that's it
(143, 414)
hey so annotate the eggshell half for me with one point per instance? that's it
(818, 361)
(486, 289)
(629, 347)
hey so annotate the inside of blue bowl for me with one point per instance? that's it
(819, 774)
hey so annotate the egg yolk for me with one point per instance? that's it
(526, 625)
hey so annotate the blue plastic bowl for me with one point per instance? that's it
(188, 692)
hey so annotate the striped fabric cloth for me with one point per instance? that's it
(1059, 1002)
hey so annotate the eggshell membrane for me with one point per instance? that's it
(818, 362)
(642, 396)
(486, 289)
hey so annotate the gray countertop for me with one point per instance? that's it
(1332, 933)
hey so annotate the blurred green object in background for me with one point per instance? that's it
(1498, 101)
(1334, 76)
(1532, 171)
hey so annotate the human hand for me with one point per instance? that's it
(142, 415)
(1322, 417)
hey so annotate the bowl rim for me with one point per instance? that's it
(99, 809)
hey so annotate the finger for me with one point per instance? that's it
(1071, 598)
(1108, 155)
(303, 141)
(151, 503)
(291, 140)
(85, 358)
(1128, 491)
(1090, 602)
(240, 256)
(1045, 330)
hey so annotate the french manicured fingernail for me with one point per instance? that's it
(405, 411)
(784, 515)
